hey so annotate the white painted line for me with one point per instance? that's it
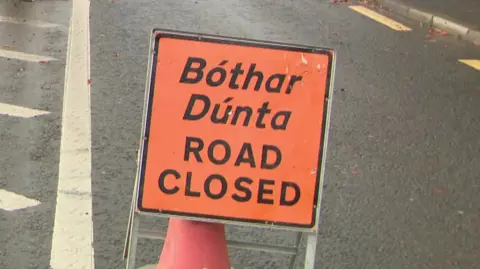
(34, 23)
(73, 228)
(18, 111)
(16, 55)
(10, 201)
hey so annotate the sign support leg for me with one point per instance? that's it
(128, 236)
(132, 251)
(293, 260)
(310, 252)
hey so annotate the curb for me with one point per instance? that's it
(433, 20)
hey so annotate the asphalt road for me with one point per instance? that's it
(402, 178)
(30, 145)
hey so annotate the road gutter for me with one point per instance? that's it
(454, 28)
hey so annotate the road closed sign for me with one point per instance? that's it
(235, 130)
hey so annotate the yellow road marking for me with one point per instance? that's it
(380, 18)
(473, 63)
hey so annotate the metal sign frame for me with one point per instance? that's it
(134, 232)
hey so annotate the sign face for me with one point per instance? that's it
(234, 130)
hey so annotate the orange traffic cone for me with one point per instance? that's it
(194, 245)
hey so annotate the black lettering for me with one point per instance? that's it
(246, 148)
(208, 183)
(211, 152)
(161, 181)
(285, 115)
(278, 157)
(217, 70)
(226, 114)
(262, 111)
(190, 149)
(242, 188)
(252, 73)
(262, 191)
(197, 70)
(206, 106)
(283, 195)
(292, 82)
(239, 110)
(235, 72)
(188, 187)
(278, 87)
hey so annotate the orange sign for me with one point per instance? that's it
(235, 130)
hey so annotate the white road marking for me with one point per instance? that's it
(34, 23)
(10, 201)
(16, 55)
(73, 228)
(18, 111)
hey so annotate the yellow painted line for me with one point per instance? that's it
(380, 18)
(473, 63)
